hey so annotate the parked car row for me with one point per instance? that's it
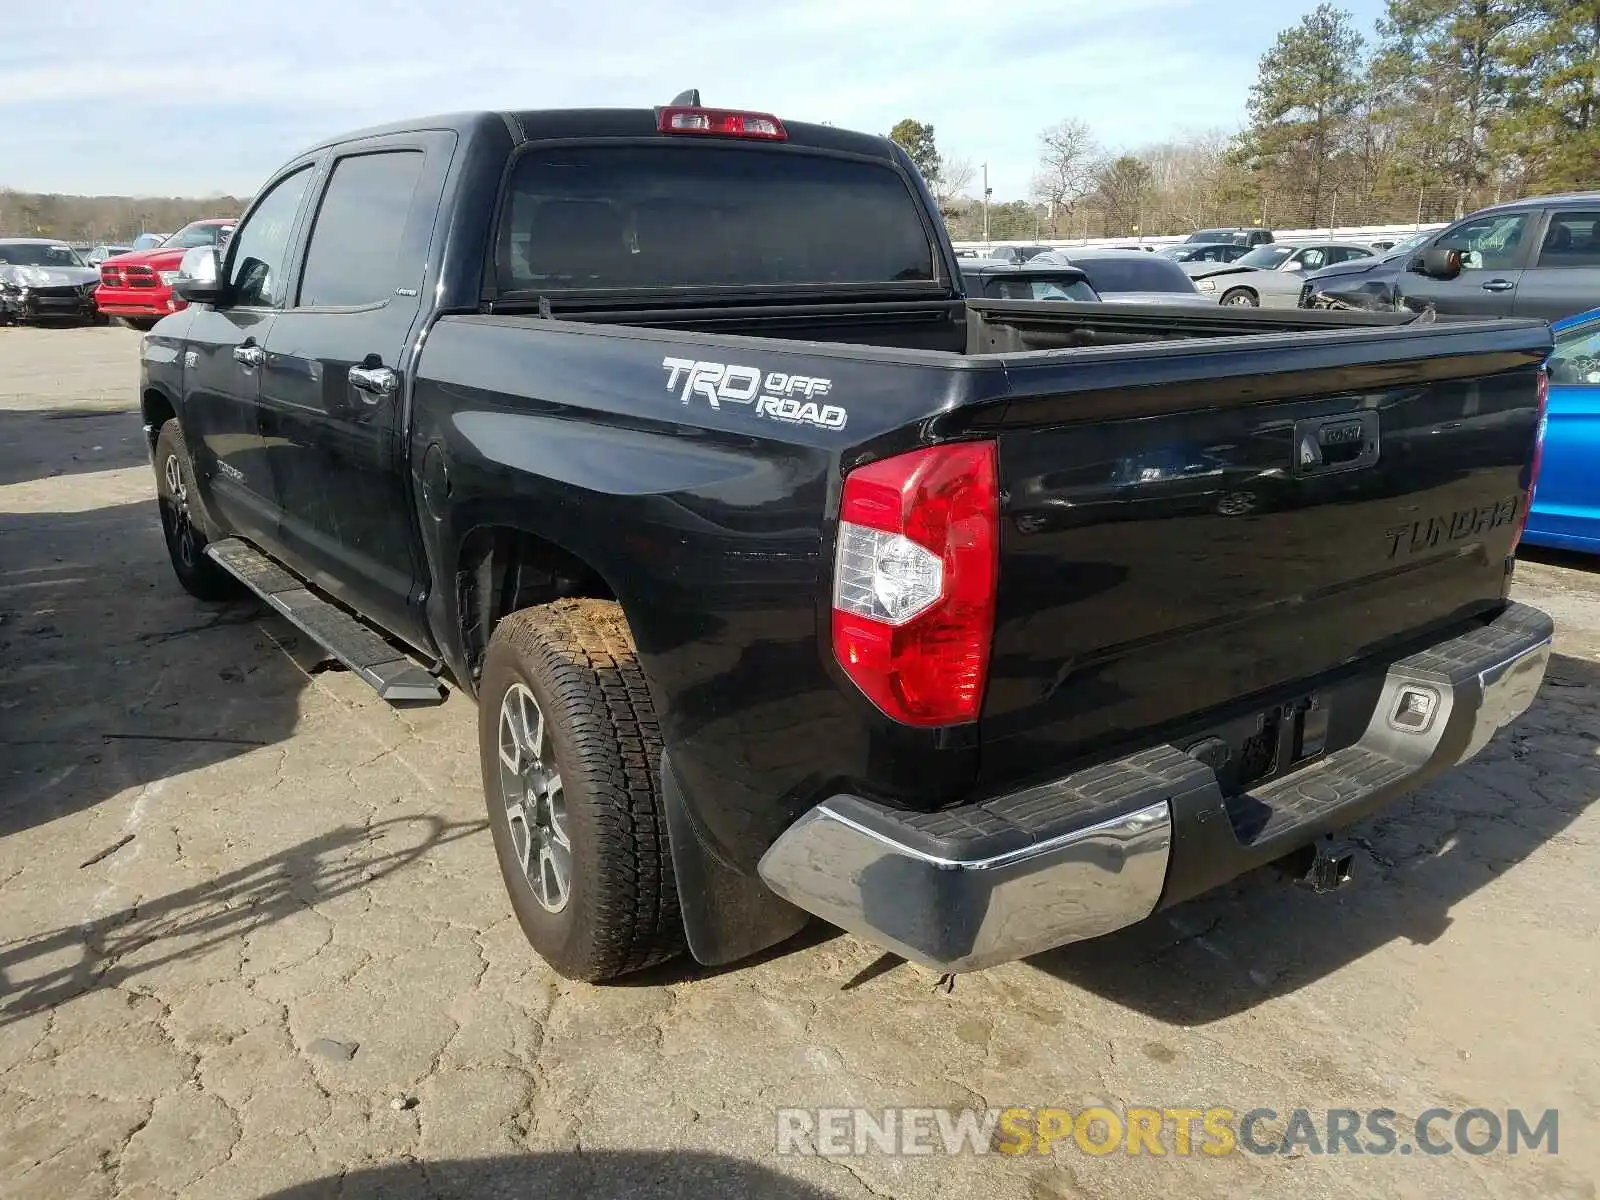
(42, 279)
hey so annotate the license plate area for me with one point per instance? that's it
(1258, 748)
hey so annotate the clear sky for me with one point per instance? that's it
(189, 97)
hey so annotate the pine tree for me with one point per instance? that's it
(1300, 106)
(1551, 126)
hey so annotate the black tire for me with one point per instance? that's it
(620, 912)
(142, 324)
(183, 521)
(1240, 298)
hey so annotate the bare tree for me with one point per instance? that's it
(1069, 161)
(1186, 180)
(955, 177)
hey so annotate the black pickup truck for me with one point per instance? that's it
(787, 580)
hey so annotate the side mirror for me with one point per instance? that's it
(199, 276)
(1438, 262)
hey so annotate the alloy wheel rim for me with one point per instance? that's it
(536, 810)
(178, 507)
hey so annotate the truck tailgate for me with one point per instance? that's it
(1193, 530)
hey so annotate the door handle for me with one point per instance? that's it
(250, 356)
(375, 381)
(1498, 285)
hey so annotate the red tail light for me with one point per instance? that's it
(720, 122)
(914, 581)
(1536, 462)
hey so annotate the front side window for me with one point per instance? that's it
(1573, 240)
(1488, 243)
(354, 254)
(592, 218)
(1313, 260)
(260, 249)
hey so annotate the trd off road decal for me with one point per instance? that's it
(792, 399)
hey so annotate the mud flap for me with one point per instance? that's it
(726, 915)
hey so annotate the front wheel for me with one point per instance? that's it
(1240, 298)
(181, 522)
(570, 752)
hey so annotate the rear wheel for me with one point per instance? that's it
(1240, 298)
(142, 324)
(181, 521)
(570, 752)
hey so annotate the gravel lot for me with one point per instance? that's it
(253, 942)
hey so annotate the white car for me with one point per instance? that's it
(1270, 276)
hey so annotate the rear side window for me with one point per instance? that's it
(1573, 240)
(705, 217)
(1146, 273)
(354, 255)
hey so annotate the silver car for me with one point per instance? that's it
(1270, 276)
(45, 279)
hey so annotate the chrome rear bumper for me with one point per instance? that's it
(972, 887)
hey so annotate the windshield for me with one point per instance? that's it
(1406, 245)
(197, 234)
(590, 218)
(1266, 257)
(39, 254)
(1145, 273)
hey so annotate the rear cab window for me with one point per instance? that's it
(591, 219)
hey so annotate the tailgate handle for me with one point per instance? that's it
(1346, 442)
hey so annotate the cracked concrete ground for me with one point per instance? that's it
(253, 942)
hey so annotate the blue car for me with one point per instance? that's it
(1566, 504)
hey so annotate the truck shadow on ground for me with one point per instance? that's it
(601, 1174)
(48, 443)
(112, 677)
(51, 968)
(1260, 937)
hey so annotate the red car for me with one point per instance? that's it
(137, 288)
